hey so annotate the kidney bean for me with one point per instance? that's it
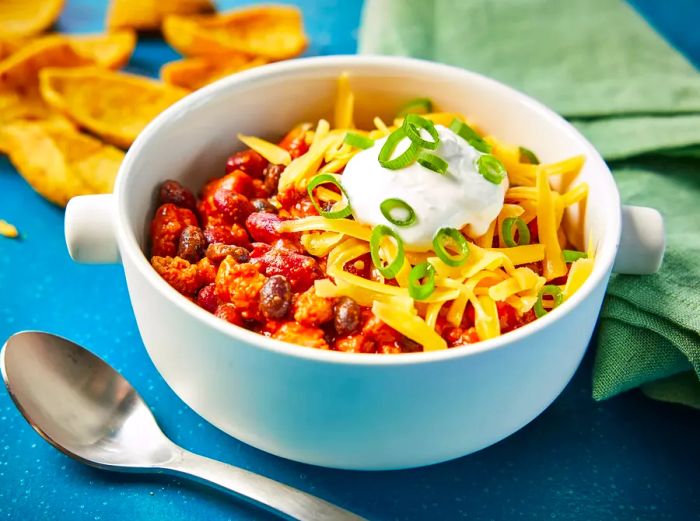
(173, 192)
(258, 249)
(275, 297)
(206, 298)
(347, 316)
(234, 234)
(299, 270)
(218, 252)
(192, 244)
(237, 181)
(263, 226)
(233, 207)
(263, 205)
(272, 174)
(248, 161)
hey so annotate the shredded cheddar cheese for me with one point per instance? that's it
(344, 104)
(492, 274)
(274, 154)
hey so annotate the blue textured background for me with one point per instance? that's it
(628, 458)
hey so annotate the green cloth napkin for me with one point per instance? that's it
(599, 64)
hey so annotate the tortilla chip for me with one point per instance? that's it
(22, 67)
(193, 73)
(58, 163)
(110, 50)
(8, 230)
(19, 77)
(113, 105)
(274, 32)
(147, 15)
(8, 46)
(20, 18)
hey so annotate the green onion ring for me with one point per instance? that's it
(421, 290)
(388, 148)
(573, 255)
(321, 179)
(507, 232)
(491, 168)
(553, 291)
(416, 106)
(432, 162)
(412, 125)
(470, 136)
(391, 204)
(378, 233)
(527, 156)
(358, 141)
(451, 234)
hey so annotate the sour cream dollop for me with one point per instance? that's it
(461, 197)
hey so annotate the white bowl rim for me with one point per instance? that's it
(129, 246)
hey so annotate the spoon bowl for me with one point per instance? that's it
(80, 405)
(87, 410)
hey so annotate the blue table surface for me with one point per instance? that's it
(627, 458)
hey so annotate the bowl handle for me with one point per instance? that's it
(89, 229)
(642, 241)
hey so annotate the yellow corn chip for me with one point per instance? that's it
(23, 66)
(27, 17)
(60, 163)
(145, 15)
(110, 50)
(193, 73)
(19, 83)
(275, 32)
(114, 105)
(8, 230)
(8, 46)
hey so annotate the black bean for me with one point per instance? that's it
(192, 244)
(275, 297)
(272, 175)
(219, 251)
(410, 346)
(173, 192)
(263, 205)
(347, 316)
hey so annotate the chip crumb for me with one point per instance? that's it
(8, 230)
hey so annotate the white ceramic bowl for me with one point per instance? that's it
(337, 409)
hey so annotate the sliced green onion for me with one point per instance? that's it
(552, 291)
(416, 106)
(387, 151)
(389, 205)
(412, 125)
(445, 235)
(507, 232)
(358, 141)
(432, 162)
(322, 179)
(416, 288)
(470, 136)
(573, 255)
(528, 156)
(378, 233)
(491, 168)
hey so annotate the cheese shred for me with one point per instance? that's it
(493, 275)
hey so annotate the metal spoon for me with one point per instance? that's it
(87, 410)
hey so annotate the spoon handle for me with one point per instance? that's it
(263, 492)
